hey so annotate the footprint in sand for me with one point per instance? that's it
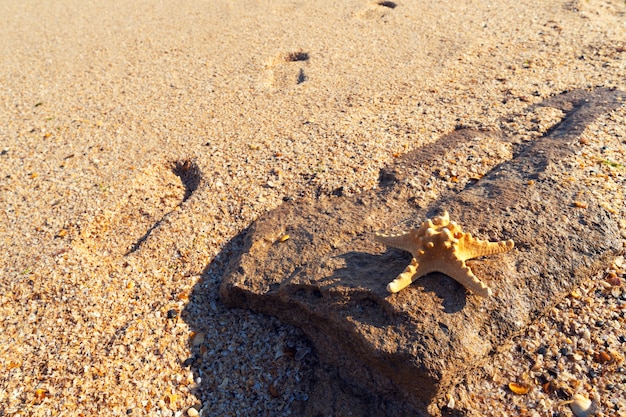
(377, 10)
(285, 70)
(127, 218)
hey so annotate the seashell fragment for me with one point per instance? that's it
(302, 352)
(41, 393)
(197, 340)
(519, 389)
(602, 357)
(581, 406)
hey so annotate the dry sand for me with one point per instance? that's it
(138, 138)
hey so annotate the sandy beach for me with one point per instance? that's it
(139, 139)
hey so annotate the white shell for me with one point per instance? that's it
(581, 406)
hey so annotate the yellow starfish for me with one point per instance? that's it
(440, 245)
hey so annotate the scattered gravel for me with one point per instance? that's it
(576, 352)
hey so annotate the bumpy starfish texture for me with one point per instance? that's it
(440, 245)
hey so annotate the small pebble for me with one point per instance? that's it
(542, 350)
(172, 314)
(192, 412)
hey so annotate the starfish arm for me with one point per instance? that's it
(470, 247)
(404, 242)
(404, 279)
(464, 276)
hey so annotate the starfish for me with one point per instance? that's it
(440, 245)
